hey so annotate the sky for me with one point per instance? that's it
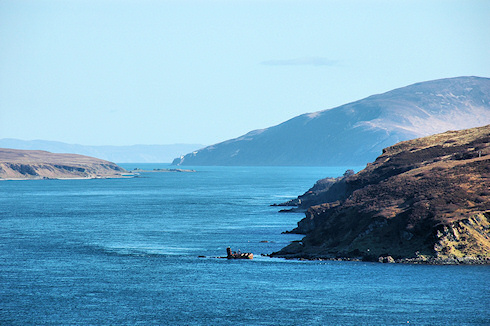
(111, 72)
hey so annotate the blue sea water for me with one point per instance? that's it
(126, 252)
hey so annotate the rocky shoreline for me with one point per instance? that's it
(123, 176)
(423, 260)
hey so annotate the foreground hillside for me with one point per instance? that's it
(355, 133)
(23, 164)
(424, 200)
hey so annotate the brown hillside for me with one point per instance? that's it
(424, 200)
(25, 164)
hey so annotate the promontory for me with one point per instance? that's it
(30, 164)
(425, 200)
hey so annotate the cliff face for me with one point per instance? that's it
(355, 133)
(424, 200)
(23, 164)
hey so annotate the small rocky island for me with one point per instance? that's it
(422, 201)
(28, 164)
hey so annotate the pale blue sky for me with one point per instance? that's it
(161, 72)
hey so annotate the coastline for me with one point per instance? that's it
(71, 178)
(421, 260)
(135, 171)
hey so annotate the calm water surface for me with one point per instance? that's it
(125, 252)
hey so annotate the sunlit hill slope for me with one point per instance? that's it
(356, 133)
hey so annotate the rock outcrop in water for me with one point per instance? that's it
(25, 164)
(238, 255)
(355, 133)
(423, 201)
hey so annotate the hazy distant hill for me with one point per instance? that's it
(356, 133)
(119, 154)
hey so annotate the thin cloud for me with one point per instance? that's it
(306, 61)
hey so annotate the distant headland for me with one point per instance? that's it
(31, 165)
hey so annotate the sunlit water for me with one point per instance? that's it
(126, 251)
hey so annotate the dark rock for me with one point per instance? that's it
(386, 259)
(238, 255)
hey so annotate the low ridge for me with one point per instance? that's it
(26, 164)
(120, 154)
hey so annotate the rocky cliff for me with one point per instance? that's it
(24, 164)
(355, 133)
(426, 200)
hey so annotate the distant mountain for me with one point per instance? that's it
(24, 164)
(119, 154)
(356, 133)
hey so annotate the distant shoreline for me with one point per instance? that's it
(74, 178)
(162, 170)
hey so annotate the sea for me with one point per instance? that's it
(144, 251)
